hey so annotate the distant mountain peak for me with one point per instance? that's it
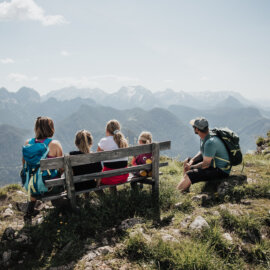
(26, 94)
(230, 102)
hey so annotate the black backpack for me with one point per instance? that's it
(231, 142)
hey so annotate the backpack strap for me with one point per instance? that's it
(223, 169)
(32, 141)
(47, 141)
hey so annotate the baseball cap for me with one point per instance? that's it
(199, 122)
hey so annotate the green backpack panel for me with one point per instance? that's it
(231, 141)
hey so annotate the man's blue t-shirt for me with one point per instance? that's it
(212, 146)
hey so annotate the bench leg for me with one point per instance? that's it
(155, 177)
(155, 203)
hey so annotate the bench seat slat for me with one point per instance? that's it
(86, 177)
(82, 159)
(54, 197)
(133, 179)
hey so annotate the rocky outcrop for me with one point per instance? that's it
(263, 145)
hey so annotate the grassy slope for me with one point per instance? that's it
(243, 212)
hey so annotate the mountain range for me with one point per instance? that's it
(166, 114)
(139, 96)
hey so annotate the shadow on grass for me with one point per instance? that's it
(61, 237)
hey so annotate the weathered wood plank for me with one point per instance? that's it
(85, 177)
(76, 160)
(52, 163)
(55, 182)
(130, 180)
(69, 182)
(54, 197)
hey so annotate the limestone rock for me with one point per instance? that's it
(129, 223)
(251, 181)
(185, 222)
(178, 205)
(39, 220)
(8, 213)
(90, 256)
(266, 151)
(199, 223)
(216, 213)
(21, 206)
(168, 238)
(105, 250)
(228, 237)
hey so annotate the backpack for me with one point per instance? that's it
(33, 179)
(231, 142)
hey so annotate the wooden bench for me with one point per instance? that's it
(68, 161)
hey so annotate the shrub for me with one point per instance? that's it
(260, 141)
(136, 248)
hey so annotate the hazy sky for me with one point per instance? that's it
(185, 45)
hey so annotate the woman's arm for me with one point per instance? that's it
(99, 149)
(22, 157)
(56, 150)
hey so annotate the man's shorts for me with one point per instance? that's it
(209, 174)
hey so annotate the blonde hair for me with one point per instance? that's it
(44, 127)
(113, 127)
(84, 141)
(146, 137)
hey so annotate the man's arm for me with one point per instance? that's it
(204, 164)
(197, 158)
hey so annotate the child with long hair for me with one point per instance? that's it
(114, 140)
(144, 138)
(84, 142)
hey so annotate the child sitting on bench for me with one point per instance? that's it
(144, 138)
(114, 140)
(84, 142)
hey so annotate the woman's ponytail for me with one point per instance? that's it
(84, 141)
(114, 127)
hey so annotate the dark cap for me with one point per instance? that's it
(201, 123)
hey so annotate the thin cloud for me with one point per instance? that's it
(93, 81)
(18, 77)
(204, 78)
(7, 61)
(168, 81)
(24, 10)
(65, 53)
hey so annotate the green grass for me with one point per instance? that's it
(246, 226)
(169, 255)
(205, 250)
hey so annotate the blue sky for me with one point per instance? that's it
(184, 45)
